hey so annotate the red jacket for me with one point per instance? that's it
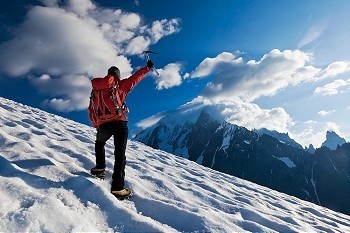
(97, 109)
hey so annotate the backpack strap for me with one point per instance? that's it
(118, 102)
(117, 97)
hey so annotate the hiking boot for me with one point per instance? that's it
(122, 194)
(98, 172)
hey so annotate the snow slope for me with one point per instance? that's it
(45, 186)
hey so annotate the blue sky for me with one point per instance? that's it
(283, 65)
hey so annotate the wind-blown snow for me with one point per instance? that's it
(45, 186)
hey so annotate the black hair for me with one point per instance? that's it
(114, 71)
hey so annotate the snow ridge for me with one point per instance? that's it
(45, 186)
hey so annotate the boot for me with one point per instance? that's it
(98, 172)
(122, 194)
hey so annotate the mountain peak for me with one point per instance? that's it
(205, 116)
(282, 137)
(311, 149)
(333, 140)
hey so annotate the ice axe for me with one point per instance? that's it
(147, 52)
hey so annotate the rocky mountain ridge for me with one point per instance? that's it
(274, 162)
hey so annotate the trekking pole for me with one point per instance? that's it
(147, 52)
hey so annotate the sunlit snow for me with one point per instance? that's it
(45, 186)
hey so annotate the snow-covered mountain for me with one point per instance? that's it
(45, 186)
(172, 131)
(333, 140)
(258, 157)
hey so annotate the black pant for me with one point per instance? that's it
(119, 130)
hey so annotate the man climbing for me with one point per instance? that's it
(108, 113)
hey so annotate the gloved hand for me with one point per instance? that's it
(150, 64)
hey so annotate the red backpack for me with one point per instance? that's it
(105, 104)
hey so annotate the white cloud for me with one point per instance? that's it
(253, 79)
(334, 88)
(243, 113)
(80, 6)
(77, 37)
(52, 40)
(275, 71)
(251, 116)
(312, 132)
(169, 76)
(61, 105)
(137, 45)
(150, 121)
(213, 65)
(164, 27)
(73, 91)
(312, 34)
(324, 113)
(335, 69)
(129, 21)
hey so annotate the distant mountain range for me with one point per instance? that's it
(265, 157)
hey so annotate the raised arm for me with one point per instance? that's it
(128, 84)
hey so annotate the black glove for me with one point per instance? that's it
(150, 64)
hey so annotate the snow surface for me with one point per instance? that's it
(288, 162)
(45, 186)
